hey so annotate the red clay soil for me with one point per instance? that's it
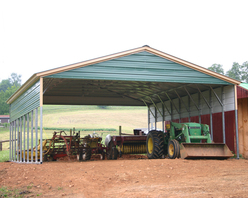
(128, 177)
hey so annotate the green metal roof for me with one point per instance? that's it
(142, 66)
(244, 85)
(128, 78)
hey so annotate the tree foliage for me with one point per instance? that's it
(4, 107)
(4, 85)
(15, 79)
(239, 72)
(7, 88)
(217, 68)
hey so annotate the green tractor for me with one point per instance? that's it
(185, 140)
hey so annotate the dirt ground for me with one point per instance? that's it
(128, 177)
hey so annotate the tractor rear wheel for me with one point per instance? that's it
(173, 149)
(155, 144)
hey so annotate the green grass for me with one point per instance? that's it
(5, 192)
(92, 117)
(4, 156)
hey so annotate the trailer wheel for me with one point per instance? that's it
(155, 145)
(87, 154)
(173, 149)
(102, 156)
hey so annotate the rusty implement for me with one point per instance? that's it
(204, 151)
(132, 144)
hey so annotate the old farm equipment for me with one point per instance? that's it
(31, 153)
(83, 148)
(185, 140)
(91, 144)
(125, 144)
(61, 145)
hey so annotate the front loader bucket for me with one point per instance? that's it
(205, 150)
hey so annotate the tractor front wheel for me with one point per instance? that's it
(155, 144)
(173, 149)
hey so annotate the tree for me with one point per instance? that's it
(239, 72)
(4, 85)
(4, 107)
(15, 79)
(7, 88)
(217, 68)
(245, 72)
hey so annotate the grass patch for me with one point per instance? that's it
(60, 188)
(5, 192)
(4, 130)
(4, 156)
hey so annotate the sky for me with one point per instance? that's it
(40, 35)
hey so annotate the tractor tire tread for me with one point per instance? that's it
(176, 146)
(158, 143)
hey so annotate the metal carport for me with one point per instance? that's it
(171, 88)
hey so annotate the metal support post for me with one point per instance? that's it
(183, 103)
(155, 106)
(36, 135)
(223, 113)
(41, 135)
(10, 145)
(199, 105)
(163, 118)
(24, 139)
(15, 143)
(148, 108)
(211, 115)
(172, 103)
(171, 106)
(32, 138)
(12, 140)
(179, 101)
(189, 109)
(192, 99)
(20, 139)
(148, 119)
(236, 119)
(156, 118)
(28, 138)
(164, 104)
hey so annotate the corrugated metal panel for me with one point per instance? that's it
(141, 66)
(28, 101)
(242, 92)
(244, 85)
(216, 108)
